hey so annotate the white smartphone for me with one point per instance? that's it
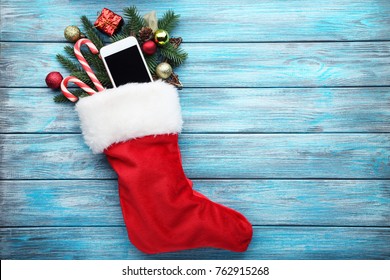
(125, 63)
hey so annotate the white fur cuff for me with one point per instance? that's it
(129, 111)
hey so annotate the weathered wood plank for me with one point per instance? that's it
(224, 21)
(224, 110)
(41, 156)
(64, 206)
(230, 65)
(263, 202)
(268, 243)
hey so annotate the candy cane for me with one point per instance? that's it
(84, 62)
(76, 81)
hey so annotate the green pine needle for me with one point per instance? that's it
(176, 56)
(102, 76)
(119, 36)
(94, 61)
(152, 62)
(68, 64)
(169, 21)
(92, 33)
(60, 98)
(104, 79)
(82, 76)
(134, 21)
(69, 50)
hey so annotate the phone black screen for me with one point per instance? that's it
(126, 66)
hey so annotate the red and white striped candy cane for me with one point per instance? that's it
(82, 85)
(84, 62)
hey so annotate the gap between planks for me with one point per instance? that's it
(219, 42)
(254, 226)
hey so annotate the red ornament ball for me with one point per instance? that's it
(53, 80)
(149, 47)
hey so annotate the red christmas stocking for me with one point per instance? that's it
(137, 127)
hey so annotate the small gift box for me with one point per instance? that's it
(108, 22)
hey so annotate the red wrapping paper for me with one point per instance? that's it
(108, 22)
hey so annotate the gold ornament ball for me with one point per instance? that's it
(161, 37)
(164, 70)
(72, 33)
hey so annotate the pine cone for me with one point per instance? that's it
(145, 34)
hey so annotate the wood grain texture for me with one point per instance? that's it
(221, 21)
(249, 110)
(230, 65)
(263, 202)
(286, 108)
(211, 156)
(268, 243)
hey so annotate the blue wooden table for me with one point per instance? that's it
(287, 120)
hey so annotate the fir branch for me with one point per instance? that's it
(60, 98)
(69, 50)
(135, 21)
(92, 33)
(82, 76)
(169, 21)
(176, 56)
(152, 62)
(101, 76)
(119, 36)
(68, 64)
(104, 79)
(94, 61)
